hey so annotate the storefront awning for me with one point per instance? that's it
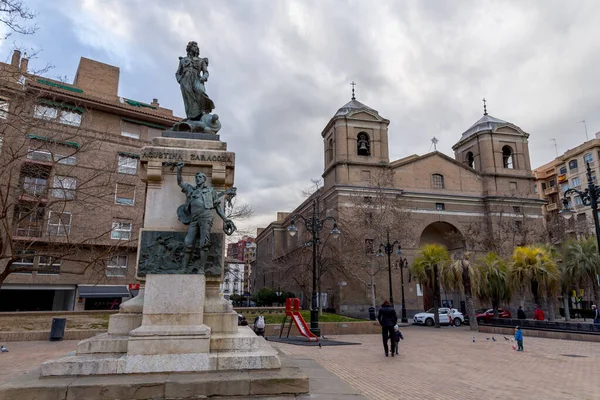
(103, 291)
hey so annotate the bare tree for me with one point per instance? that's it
(365, 222)
(17, 17)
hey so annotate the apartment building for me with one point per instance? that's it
(72, 199)
(569, 171)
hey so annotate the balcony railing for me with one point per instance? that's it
(551, 207)
(550, 190)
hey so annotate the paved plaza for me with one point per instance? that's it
(433, 364)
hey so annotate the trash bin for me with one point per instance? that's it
(58, 328)
(372, 313)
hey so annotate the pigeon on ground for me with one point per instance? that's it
(3, 349)
(473, 339)
(505, 338)
(493, 338)
(487, 338)
(320, 345)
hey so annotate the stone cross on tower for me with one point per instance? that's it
(353, 84)
(484, 107)
(434, 141)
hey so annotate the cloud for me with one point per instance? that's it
(280, 70)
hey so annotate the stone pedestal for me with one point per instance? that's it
(173, 336)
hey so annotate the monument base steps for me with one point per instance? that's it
(284, 383)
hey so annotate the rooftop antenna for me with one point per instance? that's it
(484, 107)
(434, 142)
(555, 147)
(353, 84)
(585, 126)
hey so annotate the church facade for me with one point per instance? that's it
(481, 199)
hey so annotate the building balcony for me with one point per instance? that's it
(551, 207)
(550, 190)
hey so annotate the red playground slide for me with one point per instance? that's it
(292, 310)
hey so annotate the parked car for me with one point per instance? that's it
(484, 315)
(426, 317)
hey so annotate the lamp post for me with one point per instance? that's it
(403, 263)
(388, 248)
(589, 197)
(314, 225)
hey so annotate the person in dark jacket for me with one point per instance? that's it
(387, 318)
(521, 313)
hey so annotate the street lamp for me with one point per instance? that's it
(589, 197)
(388, 248)
(403, 263)
(314, 225)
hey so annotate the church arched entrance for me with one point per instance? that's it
(450, 237)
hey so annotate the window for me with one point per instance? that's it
(588, 158)
(535, 189)
(437, 181)
(59, 224)
(121, 231)
(517, 209)
(34, 186)
(125, 194)
(594, 176)
(29, 221)
(563, 170)
(116, 266)
(48, 266)
(440, 206)
(24, 261)
(577, 201)
(518, 227)
(552, 183)
(3, 109)
(64, 187)
(39, 151)
(69, 118)
(39, 155)
(507, 157)
(64, 159)
(572, 165)
(581, 217)
(470, 160)
(575, 182)
(543, 185)
(63, 116)
(363, 145)
(130, 130)
(127, 165)
(45, 112)
(512, 186)
(329, 152)
(564, 187)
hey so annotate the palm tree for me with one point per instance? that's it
(461, 276)
(580, 264)
(426, 268)
(533, 270)
(493, 280)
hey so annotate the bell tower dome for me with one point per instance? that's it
(499, 150)
(355, 140)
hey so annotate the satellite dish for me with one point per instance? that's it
(122, 100)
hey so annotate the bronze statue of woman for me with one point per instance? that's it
(191, 75)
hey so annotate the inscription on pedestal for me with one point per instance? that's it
(162, 252)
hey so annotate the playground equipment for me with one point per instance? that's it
(292, 310)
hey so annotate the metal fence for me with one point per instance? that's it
(561, 326)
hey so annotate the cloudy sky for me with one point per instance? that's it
(280, 69)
